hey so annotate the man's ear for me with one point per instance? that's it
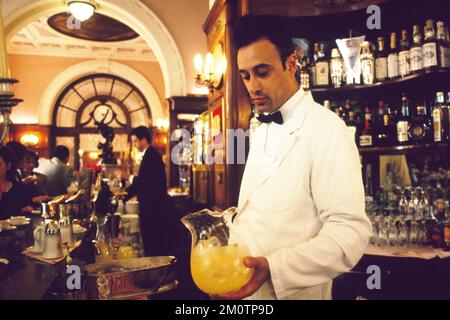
(291, 63)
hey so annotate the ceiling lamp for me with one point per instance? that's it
(82, 10)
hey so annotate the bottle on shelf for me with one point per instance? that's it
(366, 137)
(448, 118)
(421, 127)
(381, 63)
(439, 120)
(416, 54)
(443, 46)
(305, 76)
(383, 128)
(322, 69)
(404, 56)
(403, 122)
(367, 63)
(352, 125)
(313, 64)
(337, 69)
(430, 47)
(393, 67)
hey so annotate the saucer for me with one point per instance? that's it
(33, 249)
(20, 223)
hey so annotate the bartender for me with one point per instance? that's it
(301, 203)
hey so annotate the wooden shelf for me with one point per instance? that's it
(402, 149)
(422, 76)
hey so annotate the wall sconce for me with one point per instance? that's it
(162, 124)
(30, 139)
(82, 10)
(210, 74)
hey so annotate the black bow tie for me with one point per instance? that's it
(276, 117)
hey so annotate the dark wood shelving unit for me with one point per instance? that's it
(426, 75)
(402, 149)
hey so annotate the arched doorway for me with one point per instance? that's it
(98, 97)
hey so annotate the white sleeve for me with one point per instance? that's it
(338, 193)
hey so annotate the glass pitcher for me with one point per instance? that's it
(217, 252)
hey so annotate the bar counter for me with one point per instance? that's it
(401, 277)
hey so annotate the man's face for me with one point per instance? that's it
(139, 144)
(268, 83)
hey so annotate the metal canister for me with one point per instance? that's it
(337, 68)
(367, 63)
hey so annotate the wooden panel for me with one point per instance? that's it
(300, 8)
(42, 132)
(220, 196)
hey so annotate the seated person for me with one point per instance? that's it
(13, 198)
(33, 182)
(59, 174)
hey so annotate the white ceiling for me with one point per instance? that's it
(38, 38)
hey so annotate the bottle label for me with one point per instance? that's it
(381, 69)
(323, 73)
(313, 74)
(437, 125)
(404, 63)
(402, 131)
(445, 57)
(429, 51)
(393, 65)
(418, 132)
(416, 59)
(365, 141)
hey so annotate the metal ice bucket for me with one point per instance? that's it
(131, 278)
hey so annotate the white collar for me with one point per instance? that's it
(287, 109)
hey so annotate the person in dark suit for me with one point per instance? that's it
(157, 214)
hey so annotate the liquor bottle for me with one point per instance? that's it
(313, 64)
(403, 122)
(322, 69)
(415, 52)
(430, 47)
(345, 110)
(381, 63)
(448, 123)
(404, 56)
(352, 125)
(443, 46)
(382, 128)
(367, 63)
(421, 127)
(438, 118)
(337, 68)
(366, 137)
(304, 76)
(393, 68)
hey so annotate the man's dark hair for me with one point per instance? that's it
(61, 152)
(274, 28)
(18, 150)
(142, 132)
(32, 156)
(8, 156)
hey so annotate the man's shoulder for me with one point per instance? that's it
(323, 116)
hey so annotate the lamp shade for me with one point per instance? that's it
(82, 10)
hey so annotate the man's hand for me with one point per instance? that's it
(29, 180)
(260, 275)
(41, 199)
(124, 175)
